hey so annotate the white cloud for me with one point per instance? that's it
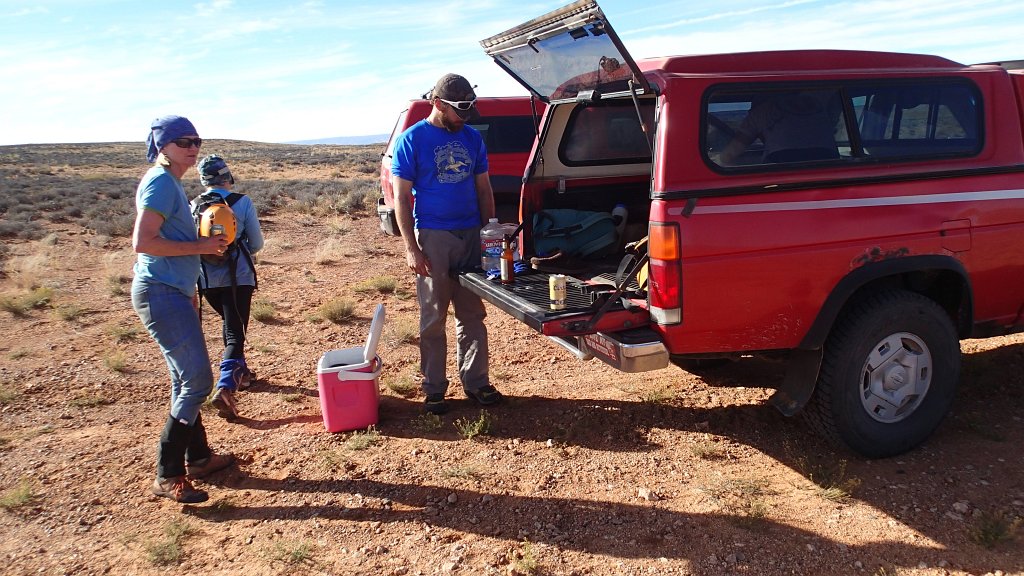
(212, 9)
(22, 12)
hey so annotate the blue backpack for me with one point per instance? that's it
(574, 232)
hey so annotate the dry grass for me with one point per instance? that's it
(7, 394)
(339, 310)
(363, 440)
(338, 227)
(262, 311)
(404, 385)
(167, 551)
(708, 449)
(116, 359)
(991, 528)
(70, 312)
(378, 284)
(89, 401)
(120, 333)
(17, 497)
(28, 271)
(292, 553)
(21, 304)
(829, 476)
(427, 422)
(329, 251)
(470, 428)
(273, 247)
(405, 331)
(117, 268)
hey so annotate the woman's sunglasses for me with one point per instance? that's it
(459, 104)
(186, 142)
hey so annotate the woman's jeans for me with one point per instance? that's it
(172, 320)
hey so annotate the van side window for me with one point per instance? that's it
(607, 133)
(506, 134)
(763, 128)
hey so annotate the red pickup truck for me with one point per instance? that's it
(508, 125)
(853, 213)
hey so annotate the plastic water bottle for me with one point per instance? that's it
(619, 215)
(491, 236)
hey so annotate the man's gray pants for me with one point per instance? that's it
(449, 251)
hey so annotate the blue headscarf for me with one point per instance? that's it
(163, 130)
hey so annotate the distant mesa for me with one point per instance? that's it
(348, 140)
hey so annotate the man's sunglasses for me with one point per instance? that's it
(186, 142)
(459, 104)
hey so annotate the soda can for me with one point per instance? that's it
(556, 290)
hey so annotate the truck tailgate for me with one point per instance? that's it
(528, 300)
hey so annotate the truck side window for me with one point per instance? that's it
(765, 127)
(913, 121)
(793, 126)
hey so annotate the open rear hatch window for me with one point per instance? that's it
(568, 54)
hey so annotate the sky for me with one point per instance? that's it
(280, 71)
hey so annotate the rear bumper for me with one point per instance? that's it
(638, 350)
(388, 222)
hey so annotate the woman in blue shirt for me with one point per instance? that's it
(164, 297)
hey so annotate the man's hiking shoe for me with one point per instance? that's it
(224, 401)
(179, 489)
(207, 466)
(435, 404)
(486, 396)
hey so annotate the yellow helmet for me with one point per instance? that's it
(218, 219)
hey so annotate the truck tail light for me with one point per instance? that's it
(665, 278)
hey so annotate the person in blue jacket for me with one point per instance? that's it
(228, 282)
(164, 297)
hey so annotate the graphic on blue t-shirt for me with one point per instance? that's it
(453, 162)
(443, 167)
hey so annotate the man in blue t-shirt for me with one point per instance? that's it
(442, 197)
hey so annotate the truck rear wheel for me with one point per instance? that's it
(888, 375)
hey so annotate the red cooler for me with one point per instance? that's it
(348, 382)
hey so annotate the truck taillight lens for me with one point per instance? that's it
(663, 243)
(665, 278)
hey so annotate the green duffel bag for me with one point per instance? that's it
(574, 232)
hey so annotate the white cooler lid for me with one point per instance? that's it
(376, 327)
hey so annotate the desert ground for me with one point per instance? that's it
(583, 470)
